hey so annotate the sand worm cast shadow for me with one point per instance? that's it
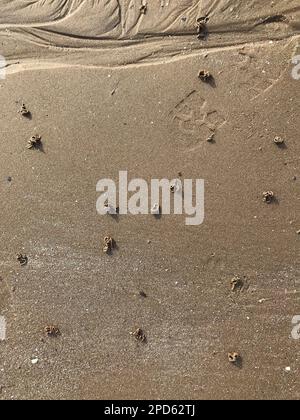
(196, 118)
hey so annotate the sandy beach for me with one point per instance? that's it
(113, 86)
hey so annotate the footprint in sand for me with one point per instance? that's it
(197, 118)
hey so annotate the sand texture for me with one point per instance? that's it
(111, 88)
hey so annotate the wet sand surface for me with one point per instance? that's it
(104, 98)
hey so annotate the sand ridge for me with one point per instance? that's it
(124, 19)
(43, 34)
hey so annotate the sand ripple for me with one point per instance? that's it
(124, 18)
(31, 29)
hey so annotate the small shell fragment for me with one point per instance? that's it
(109, 209)
(34, 142)
(109, 245)
(236, 283)
(139, 335)
(176, 186)
(155, 210)
(52, 331)
(234, 357)
(268, 197)
(205, 76)
(24, 111)
(202, 30)
(211, 139)
(279, 141)
(23, 259)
